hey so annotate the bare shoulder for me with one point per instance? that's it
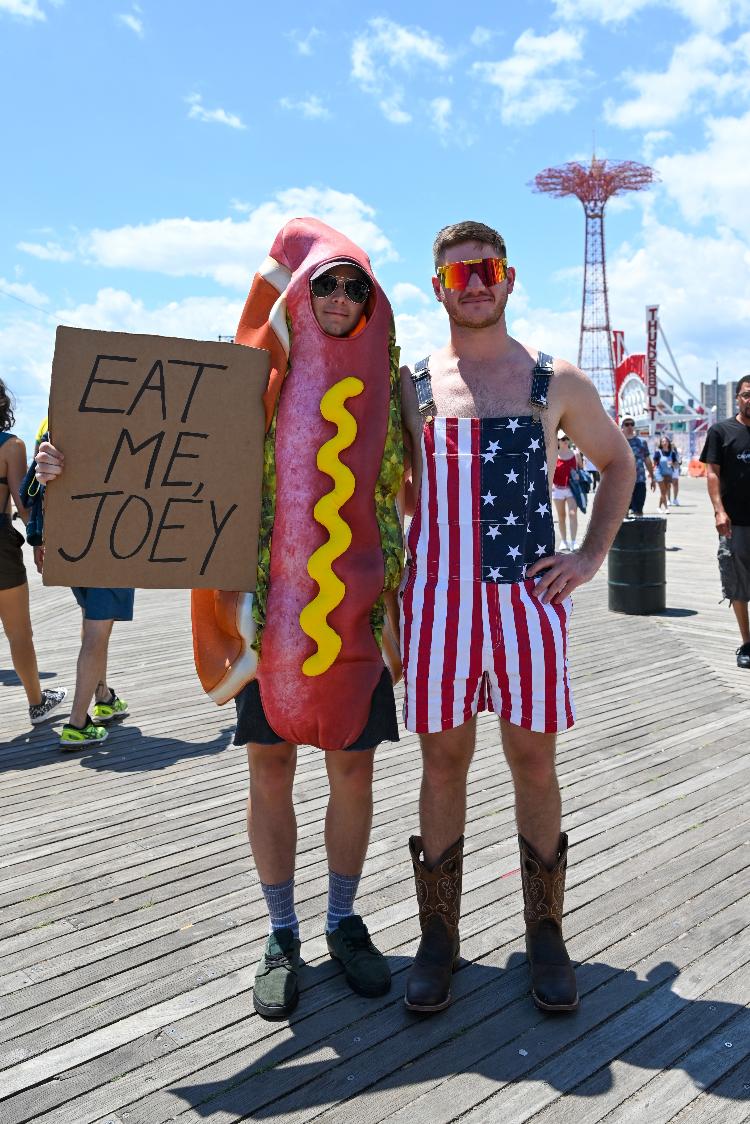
(568, 375)
(573, 389)
(14, 448)
(408, 390)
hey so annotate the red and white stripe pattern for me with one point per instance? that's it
(470, 644)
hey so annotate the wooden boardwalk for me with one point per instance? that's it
(131, 921)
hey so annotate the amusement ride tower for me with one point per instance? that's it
(594, 186)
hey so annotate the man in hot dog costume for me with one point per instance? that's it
(304, 656)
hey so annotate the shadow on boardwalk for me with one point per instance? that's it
(493, 1031)
(126, 750)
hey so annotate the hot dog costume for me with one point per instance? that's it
(330, 547)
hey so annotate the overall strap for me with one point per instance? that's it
(423, 386)
(540, 378)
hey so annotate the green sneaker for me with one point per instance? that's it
(366, 969)
(114, 708)
(276, 991)
(76, 737)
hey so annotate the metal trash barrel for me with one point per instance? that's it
(637, 567)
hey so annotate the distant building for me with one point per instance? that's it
(727, 404)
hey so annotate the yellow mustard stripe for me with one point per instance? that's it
(314, 617)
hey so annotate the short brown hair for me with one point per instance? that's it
(467, 232)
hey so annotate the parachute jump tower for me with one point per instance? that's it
(593, 186)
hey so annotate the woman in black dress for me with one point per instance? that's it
(14, 589)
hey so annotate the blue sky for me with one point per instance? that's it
(152, 151)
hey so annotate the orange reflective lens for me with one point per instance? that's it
(456, 274)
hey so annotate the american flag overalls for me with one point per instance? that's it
(472, 635)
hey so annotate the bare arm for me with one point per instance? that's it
(16, 460)
(410, 416)
(713, 481)
(584, 418)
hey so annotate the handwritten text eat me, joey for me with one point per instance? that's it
(138, 519)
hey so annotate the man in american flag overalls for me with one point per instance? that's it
(486, 601)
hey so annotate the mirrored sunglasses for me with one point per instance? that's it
(456, 274)
(356, 290)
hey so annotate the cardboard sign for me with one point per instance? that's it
(163, 445)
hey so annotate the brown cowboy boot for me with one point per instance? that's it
(428, 984)
(553, 981)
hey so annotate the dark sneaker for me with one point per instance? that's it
(76, 737)
(366, 969)
(743, 656)
(50, 701)
(104, 712)
(276, 991)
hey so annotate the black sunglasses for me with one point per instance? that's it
(357, 290)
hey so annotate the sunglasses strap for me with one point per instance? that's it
(423, 385)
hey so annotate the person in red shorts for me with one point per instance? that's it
(562, 495)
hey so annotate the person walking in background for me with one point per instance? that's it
(726, 455)
(675, 501)
(665, 462)
(14, 589)
(562, 494)
(100, 609)
(643, 463)
(593, 472)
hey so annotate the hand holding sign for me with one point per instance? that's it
(148, 495)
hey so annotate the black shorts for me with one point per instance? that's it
(734, 564)
(12, 569)
(381, 726)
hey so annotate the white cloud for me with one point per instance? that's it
(227, 250)
(27, 342)
(132, 20)
(700, 69)
(440, 109)
(198, 112)
(311, 107)
(23, 292)
(715, 182)
(404, 292)
(23, 9)
(116, 310)
(385, 49)
(548, 329)
(525, 79)
(304, 41)
(421, 333)
(393, 110)
(700, 284)
(49, 251)
(481, 36)
(713, 15)
(651, 142)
